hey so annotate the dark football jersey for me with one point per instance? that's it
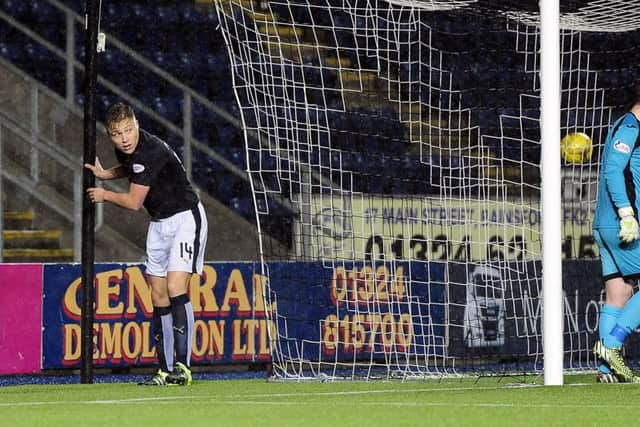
(156, 165)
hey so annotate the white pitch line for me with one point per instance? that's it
(433, 404)
(225, 402)
(405, 391)
(380, 391)
(101, 402)
(244, 399)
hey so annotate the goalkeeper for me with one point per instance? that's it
(176, 236)
(615, 229)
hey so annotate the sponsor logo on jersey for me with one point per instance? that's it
(137, 168)
(618, 146)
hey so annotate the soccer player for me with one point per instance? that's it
(176, 235)
(615, 229)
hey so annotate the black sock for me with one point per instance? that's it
(163, 337)
(182, 311)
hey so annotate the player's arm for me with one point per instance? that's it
(619, 151)
(99, 172)
(132, 200)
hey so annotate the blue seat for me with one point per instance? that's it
(264, 206)
(190, 65)
(215, 64)
(79, 99)
(268, 162)
(11, 51)
(112, 61)
(173, 107)
(103, 102)
(206, 18)
(115, 14)
(164, 107)
(190, 16)
(227, 132)
(242, 205)
(167, 14)
(33, 51)
(42, 12)
(139, 14)
(19, 9)
(51, 32)
(224, 183)
(160, 58)
(235, 155)
(76, 5)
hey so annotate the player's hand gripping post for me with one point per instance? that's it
(628, 225)
(96, 194)
(97, 169)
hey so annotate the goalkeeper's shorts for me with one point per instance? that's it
(617, 259)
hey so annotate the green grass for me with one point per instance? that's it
(258, 403)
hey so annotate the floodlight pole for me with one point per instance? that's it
(88, 180)
(550, 98)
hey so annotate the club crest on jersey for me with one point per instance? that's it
(618, 146)
(137, 168)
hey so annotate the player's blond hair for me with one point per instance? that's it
(118, 112)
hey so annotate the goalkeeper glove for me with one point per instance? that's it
(628, 225)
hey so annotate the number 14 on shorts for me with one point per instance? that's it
(186, 250)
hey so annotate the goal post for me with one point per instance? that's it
(553, 344)
(405, 162)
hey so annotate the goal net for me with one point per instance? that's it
(394, 146)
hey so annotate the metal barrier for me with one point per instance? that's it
(40, 144)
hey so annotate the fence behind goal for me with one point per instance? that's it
(396, 145)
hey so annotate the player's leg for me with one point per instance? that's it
(628, 321)
(183, 320)
(622, 309)
(617, 293)
(608, 318)
(162, 321)
(186, 258)
(617, 263)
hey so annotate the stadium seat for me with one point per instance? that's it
(268, 161)
(189, 66)
(207, 18)
(11, 51)
(228, 133)
(164, 107)
(112, 61)
(141, 15)
(225, 183)
(76, 5)
(242, 205)
(168, 15)
(237, 156)
(79, 99)
(43, 12)
(215, 65)
(103, 102)
(51, 32)
(19, 9)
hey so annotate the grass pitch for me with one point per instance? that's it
(260, 403)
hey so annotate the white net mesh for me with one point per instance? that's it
(395, 146)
